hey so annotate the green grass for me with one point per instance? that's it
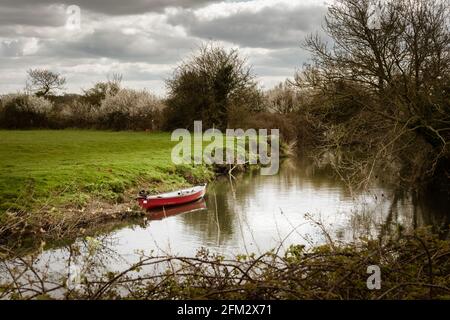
(62, 167)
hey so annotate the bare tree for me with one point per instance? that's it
(44, 82)
(385, 91)
(283, 98)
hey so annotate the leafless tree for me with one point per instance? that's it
(283, 99)
(384, 91)
(44, 82)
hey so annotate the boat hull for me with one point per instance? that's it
(164, 200)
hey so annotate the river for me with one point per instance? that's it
(252, 213)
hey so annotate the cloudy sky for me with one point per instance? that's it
(145, 39)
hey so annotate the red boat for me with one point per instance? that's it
(171, 198)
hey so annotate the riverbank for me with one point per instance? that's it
(54, 181)
(407, 266)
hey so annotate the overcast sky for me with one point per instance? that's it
(145, 39)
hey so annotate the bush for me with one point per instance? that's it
(75, 114)
(130, 110)
(267, 120)
(21, 111)
(283, 99)
(124, 110)
(95, 95)
(215, 86)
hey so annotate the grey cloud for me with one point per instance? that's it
(116, 45)
(271, 27)
(13, 48)
(51, 13)
(283, 58)
(32, 14)
(111, 7)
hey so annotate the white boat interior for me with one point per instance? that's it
(178, 193)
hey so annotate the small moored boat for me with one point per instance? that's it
(171, 198)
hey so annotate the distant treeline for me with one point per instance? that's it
(128, 109)
(105, 106)
(215, 86)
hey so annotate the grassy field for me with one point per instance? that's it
(72, 167)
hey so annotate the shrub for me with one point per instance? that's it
(75, 114)
(21, 111)
(130, 110)
(267, 120)
(214, 86)
(95, 95)
(283, 99)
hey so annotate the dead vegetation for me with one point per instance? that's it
(413, 266)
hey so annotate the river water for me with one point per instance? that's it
(253, 213)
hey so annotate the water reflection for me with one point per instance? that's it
(254, 213)
(165, 212)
